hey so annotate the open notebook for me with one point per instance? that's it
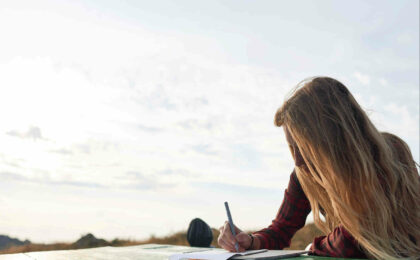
(251, 254)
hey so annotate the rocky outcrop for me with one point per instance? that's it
(6, 242)
(88, 241)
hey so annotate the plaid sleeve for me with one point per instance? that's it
(338, 243)
(290, 217)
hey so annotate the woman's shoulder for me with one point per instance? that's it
(400, 150)
(391, 138)
(398, 146)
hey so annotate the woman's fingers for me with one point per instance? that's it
(221, 240)
(226, 246)
(228, 232)
(226, 240)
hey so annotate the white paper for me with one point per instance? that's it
(213, 254)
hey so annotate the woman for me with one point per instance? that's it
(364, 183)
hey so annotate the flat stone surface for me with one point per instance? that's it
(141, 252)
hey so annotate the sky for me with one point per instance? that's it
(130, 118)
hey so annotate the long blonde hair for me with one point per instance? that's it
(359, 178)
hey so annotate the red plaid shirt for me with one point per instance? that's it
(292, 216)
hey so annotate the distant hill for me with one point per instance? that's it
(89, 241)
(7, 242)
(301, 239)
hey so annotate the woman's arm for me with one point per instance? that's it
(338, 243)
(290, 218)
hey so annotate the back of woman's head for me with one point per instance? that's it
(362, 179)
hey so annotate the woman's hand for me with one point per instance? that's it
(227, 241)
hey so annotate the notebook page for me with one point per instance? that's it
(213, 255)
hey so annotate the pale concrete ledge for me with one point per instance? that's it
(141, 252)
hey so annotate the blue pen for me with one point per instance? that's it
(232, 228)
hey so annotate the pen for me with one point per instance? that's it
(232, 228)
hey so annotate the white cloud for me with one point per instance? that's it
(405, 38)
(408, 124)
(362, 78)
(383, 82)
(33, 132)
